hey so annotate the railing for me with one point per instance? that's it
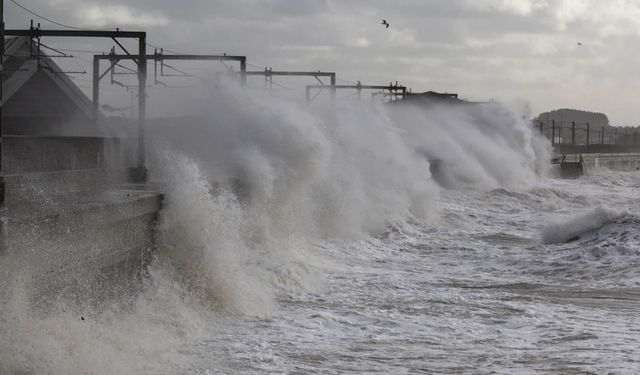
(585, 134)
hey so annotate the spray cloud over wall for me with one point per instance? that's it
(254, 180)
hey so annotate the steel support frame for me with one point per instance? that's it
(393, 89)
(141, 61)
(115, 58)
(268, 73)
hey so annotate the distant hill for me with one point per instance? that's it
(559, 122)
(595, 119)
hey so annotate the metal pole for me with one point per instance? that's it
(573, 133)
(141, 174)
(1, 98)
(553, 132)
(96, 89)
(333, 87)
(243, 71)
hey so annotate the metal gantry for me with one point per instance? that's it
(156, 57)
(393, 89)
(268, 74)
(141, 62)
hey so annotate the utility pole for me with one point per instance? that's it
(573, 133)
(553, 132)
(141, 171)
(1, 101)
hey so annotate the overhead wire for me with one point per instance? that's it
(80, 28)
(149, 44)
(49, 19)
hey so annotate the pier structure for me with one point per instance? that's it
(393, 90)
(268, 74)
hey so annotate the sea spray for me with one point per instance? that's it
(206, 236)
(566, 228)
(152, 336)
(481, 146)
(249, 187)
(256, 179)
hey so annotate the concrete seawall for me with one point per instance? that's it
(574, 165)
(614, 161)
(622, 162)
(73, 247)
(71, 229)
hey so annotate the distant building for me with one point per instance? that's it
(47, 122)
(39, 98)
(432, 97)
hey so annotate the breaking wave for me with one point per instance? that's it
(254, 187)
(256, 180)
(572, 228)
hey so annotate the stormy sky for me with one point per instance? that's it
(524, 52)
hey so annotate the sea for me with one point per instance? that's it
(360, 238)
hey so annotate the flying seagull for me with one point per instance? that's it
(579, 44)
(384, 22)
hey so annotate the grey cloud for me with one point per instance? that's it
(449, 45)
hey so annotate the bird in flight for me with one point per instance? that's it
(384, 22)
(579, 44)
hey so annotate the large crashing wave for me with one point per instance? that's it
(256, 179)
(250, 186)
(478, 145)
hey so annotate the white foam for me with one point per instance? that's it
(312, 173)
(564, 228)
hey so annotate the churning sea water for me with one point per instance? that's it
(340, 254)
(476, 292)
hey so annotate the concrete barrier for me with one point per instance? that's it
(86, 248)
(621, 162)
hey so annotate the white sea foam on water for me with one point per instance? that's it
(563, 229)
